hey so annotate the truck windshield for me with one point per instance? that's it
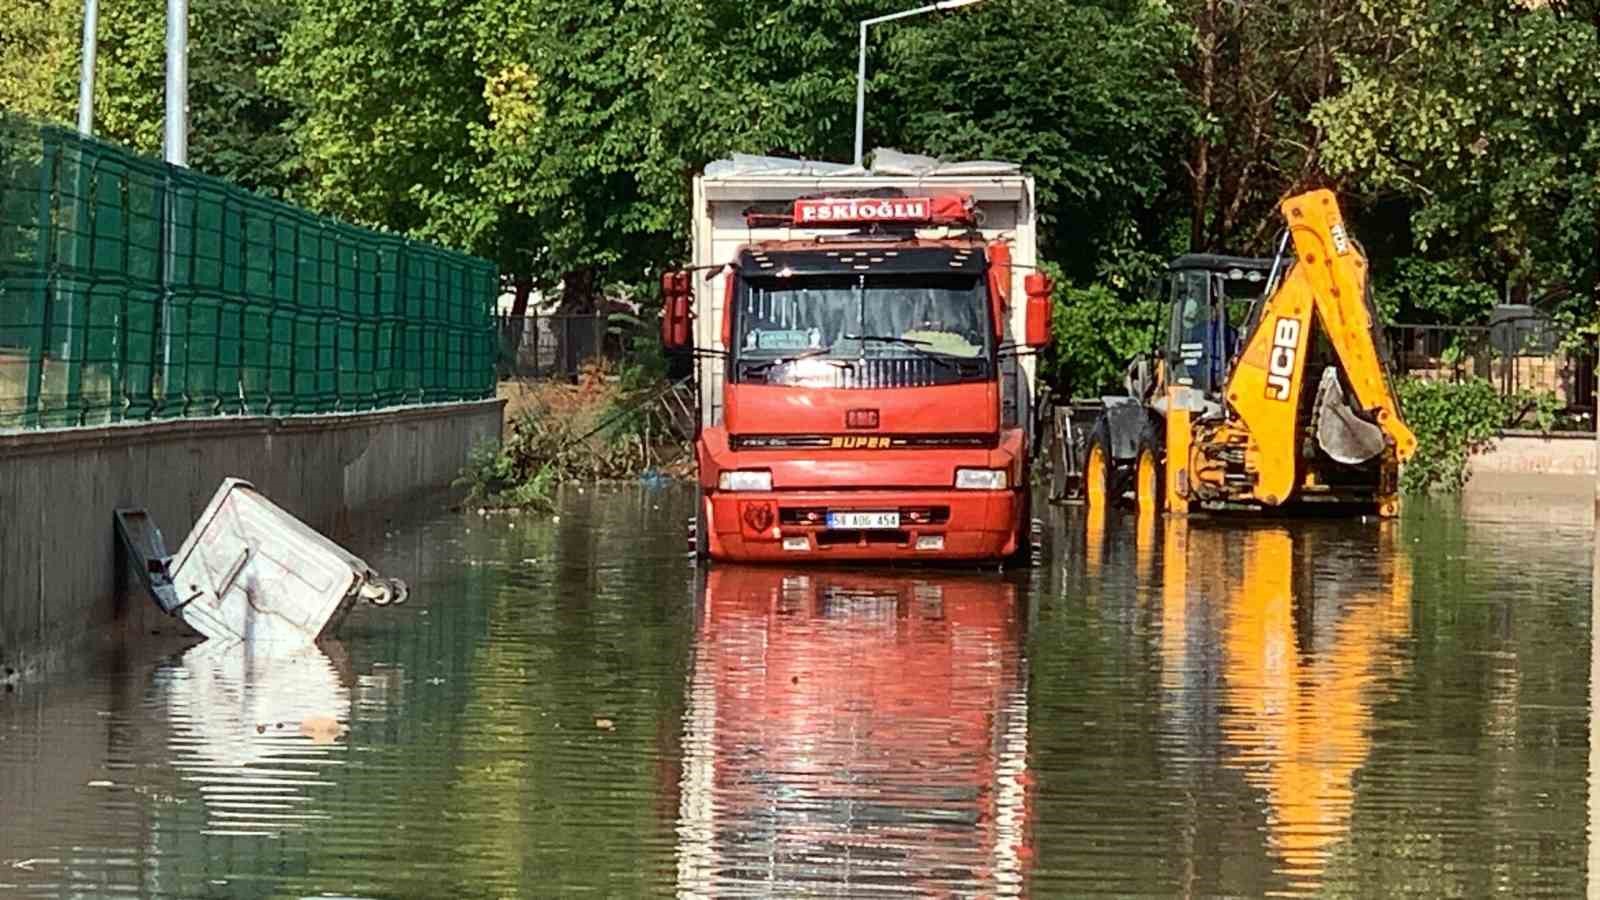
(867, 330)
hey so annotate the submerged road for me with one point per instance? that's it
(567, 706)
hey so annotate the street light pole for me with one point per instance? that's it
(176, 144)
(175, 149)
(861, 67)
(91, 27)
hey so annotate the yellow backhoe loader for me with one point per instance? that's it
(1271, 390)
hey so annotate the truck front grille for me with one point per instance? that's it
(866, 374)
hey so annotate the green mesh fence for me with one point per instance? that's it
(112, 310)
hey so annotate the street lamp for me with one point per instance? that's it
(861, 72)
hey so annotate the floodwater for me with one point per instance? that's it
(567, 707)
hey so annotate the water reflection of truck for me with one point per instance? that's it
(864, 358)
(854, 735)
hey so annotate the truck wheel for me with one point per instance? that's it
(1023, 556)
(1098, 471)
(702, 539)
(1147, 476)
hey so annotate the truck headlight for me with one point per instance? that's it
(744, 480)
(980, 479)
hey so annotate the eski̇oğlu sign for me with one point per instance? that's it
(905, 209)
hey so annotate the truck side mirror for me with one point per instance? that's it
(1040, 307)
(676, 300)
(999, 285)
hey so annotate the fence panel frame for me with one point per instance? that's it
(217, 301)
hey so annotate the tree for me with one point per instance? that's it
(1485, 118)
(1084, 97)
(511, 128)
(749, 76)
(386, 91)
(568, 127)
(38, 47)
(1254, 73)
(237, 128)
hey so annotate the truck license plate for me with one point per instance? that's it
(864, 520)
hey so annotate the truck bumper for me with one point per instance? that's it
(791, 526)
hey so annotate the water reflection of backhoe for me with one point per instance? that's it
(1305, 646)
(854, 734)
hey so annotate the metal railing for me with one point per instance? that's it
(132, 290)
(1517, 355)
(559, 346)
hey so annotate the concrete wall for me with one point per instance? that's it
(1534, 477)
(1531, 453)
(58, 488)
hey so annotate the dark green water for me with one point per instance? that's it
(568, 708)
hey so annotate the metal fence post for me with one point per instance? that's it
(46, 252)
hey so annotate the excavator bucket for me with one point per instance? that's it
(1341, 432)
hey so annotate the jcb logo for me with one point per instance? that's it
(1280, 365)
(853, 442)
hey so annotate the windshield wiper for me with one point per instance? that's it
(918, 345)
(889, 339)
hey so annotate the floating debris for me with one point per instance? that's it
(250, 571)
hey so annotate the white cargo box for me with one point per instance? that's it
(250, 571)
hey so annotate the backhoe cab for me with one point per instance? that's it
(1222, 417)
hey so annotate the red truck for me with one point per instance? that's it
(864, 344)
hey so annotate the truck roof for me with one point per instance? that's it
(748, 178)
(817, 258)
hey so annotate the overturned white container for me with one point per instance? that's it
(250, 571)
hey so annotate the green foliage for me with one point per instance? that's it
(1451, 419)
(386, 92)
(1252, 72)
(501, 480)
(1486, 119)
(38, 56)
(1083, 96)
(1096, 333)
(1454, 419)
(1419, 290)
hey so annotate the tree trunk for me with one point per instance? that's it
(1200, 169)
(511, 334)
(579, 290)
(523, 288)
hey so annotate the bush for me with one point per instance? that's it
(604, 428)
(495, 479)
(1454, 419)
(1095, 334)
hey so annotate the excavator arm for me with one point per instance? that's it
(1326, 290)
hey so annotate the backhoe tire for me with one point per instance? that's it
(1099, 472)
(1149, 481)
(1058, 466)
